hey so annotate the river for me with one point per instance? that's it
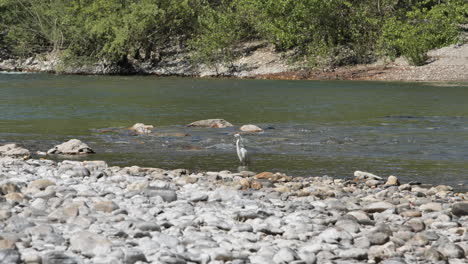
(416, 131)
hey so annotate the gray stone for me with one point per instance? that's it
(394, 261)
(13, 150)
(166, 195)
(432, 254)
(460, 209)
(71, 147)
(362, 242)
(58, 257)
(353, 253)
(382, 251)
(285, 255)
(133, 255)
(148, 226)
(348, 225)
(335, 235)
(89, 244)
(379, 207)
(221, 254)
(9, 256)
(378, 238)
(451, 250)
(416, 225)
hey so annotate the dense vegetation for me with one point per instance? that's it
(323, 32)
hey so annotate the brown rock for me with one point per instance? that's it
(392, 180)
(9, 187)
(264, 175)
(15, 196)
(41, 184)
(4, 214)
(282, 189)
(106, 206)
(6, 243)
(411, 213)
(256, 185)
(244, 183)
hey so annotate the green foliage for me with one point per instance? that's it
(420, 29)
(326, 33)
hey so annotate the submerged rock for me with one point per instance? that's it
(71, 147)
(250, 128)
(13, 150)
(214, 123)
(141, 128)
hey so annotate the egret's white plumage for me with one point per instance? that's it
(241, 151)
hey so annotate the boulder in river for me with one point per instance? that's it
(141, 128)
(214, 123)
(250, 128)
(13, 150)
(71, 147)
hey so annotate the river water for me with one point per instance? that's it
(416, 131)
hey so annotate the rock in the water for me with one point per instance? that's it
(460, 209)
(10, 256)
(362, 175)
(214, 123)
(141, 128)
(250, 128)
(12, 150)
(71, 147)
(392, 180)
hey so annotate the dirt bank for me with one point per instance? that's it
(263, 62)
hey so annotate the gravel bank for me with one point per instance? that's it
(90, 212)
(260, 61)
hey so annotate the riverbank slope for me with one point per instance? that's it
(259, 60)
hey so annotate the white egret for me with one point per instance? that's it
(241, 151)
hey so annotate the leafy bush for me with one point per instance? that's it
(325, 33)
(421, 29)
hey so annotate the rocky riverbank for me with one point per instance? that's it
(261, 61)
(91, 212)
